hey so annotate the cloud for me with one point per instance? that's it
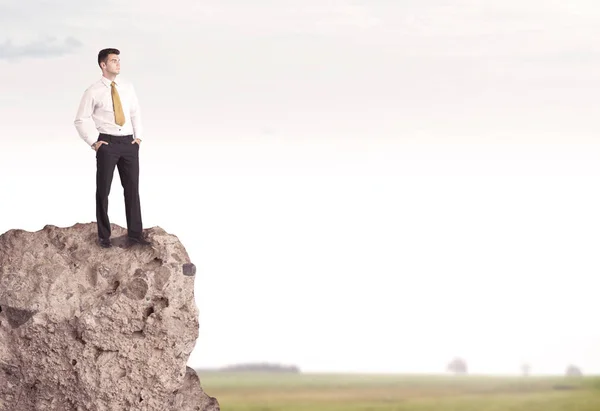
(46, 29)
(347, 15)
(45, 48)
(39, 10)
(332, 17)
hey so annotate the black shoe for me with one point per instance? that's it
(104, 242)
(138, 240)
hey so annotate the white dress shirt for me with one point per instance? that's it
(96, 115)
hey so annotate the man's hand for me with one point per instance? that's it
(97, 144)
(137, 140)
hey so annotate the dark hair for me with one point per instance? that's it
(103, 55)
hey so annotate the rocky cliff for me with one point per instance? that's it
(83, 328)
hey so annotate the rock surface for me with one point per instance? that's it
(83, 328)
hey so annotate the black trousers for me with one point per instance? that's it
(122, 153)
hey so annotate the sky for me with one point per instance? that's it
(363, 186)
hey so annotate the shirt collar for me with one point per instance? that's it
(107, 82)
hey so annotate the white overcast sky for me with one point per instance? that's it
(363, 186)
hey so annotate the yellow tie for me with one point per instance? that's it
(119, 116)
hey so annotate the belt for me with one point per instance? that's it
(111, 137)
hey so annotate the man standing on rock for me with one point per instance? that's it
(109, 115)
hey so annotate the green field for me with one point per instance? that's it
(315, 392)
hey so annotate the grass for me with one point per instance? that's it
(332, 392)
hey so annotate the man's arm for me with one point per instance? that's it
(136, 115)
(83, 120)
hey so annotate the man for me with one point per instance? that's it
(109, 121)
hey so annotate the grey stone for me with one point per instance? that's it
(189, 269)
(17, 317)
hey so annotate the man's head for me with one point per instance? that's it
(109, 62)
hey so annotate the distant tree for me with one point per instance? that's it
(262, 367)
(457, 366)
(573, 371)
(525, 369)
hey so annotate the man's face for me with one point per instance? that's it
(113, 64)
